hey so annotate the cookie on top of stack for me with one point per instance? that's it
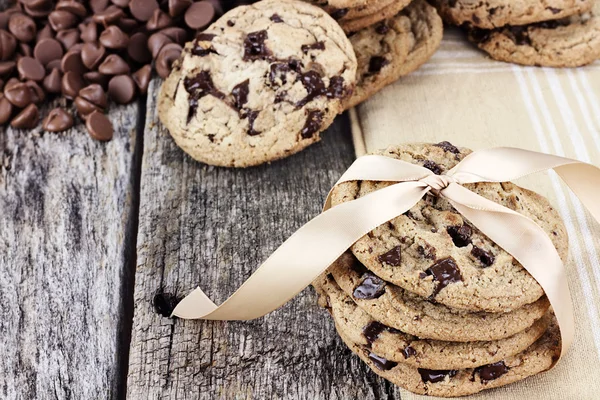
(390, 38)
(433, 305)
(557, 33)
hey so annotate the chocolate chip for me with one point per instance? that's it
(47, 50)
(95, 95)
(252, 115)
(279, 70)
(92, 54)
(382, 363)
(167, 55)
(8, 44)
(520, 35)
(392, 257)
(314, 119)
(165, 303)
(444, 272)
(199, 86)
(315, 46)
(114, 38)
(492, 371)
(276, 18)
(554, 10)
(89, 31)
(339, 13)
(156, 42)
(108, 16)
(178, 7)
(255, 47)
(37, 93)
(71, 62)
(26, 119)
(202, 46)
(447, 146)
(372, 331)
(45, 33)
(96, 77)
(433, 376)
(121, 89)
(158, 20)
(433, 167)
(43, 10)
(73, 7)
(22, 27)
(376, 63)
(98, 5)
(99, 126)
(461, 235)
(113, 65)
(240, 94)
(68, 38)
(486, 257)
(142, 78)
(84, 107)
(314, 85)
(18, 94)
(6, 67)
(382, 28)
(71, 84)
(128, 25)
(142, 10)
(52, 81)
(371, 287)
(6, 109)
(177, 35)
(199, 15)
(58, 120)
(408, 352)
(60, 20)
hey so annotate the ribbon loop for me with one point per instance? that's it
(438, 182)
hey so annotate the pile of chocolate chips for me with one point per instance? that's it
(89, 52)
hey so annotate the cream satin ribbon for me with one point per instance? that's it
(316, 245)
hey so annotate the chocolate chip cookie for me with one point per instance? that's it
(342, 10)
(259, 84)
(412, 314)
(432, 251)
(492, 14)
(570, 42)
(355, 24)
(394, 345)
(461, 382)
(393, 48)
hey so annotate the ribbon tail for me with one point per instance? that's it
(583, 179)
(305, 255)
(527, 242)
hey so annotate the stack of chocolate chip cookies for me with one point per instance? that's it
(390, 38)
(433, 305)
(557, 33)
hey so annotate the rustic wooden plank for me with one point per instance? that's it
(67, 214)
(207, 226)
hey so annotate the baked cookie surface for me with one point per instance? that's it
(393, 48)
(413, 314)
(355, 24)
(492, 14)
(570, 42)
(435, 253)
(397, 346)
(539, 357)
(259, 84)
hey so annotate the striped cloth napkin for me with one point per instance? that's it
(464, 97)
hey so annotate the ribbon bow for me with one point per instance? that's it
(317, 244)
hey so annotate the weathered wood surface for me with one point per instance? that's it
(67, 221)
(212, 227)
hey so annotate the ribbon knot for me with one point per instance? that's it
(438, 182)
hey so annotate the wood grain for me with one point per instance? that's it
(67, 222)
(207, 226)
